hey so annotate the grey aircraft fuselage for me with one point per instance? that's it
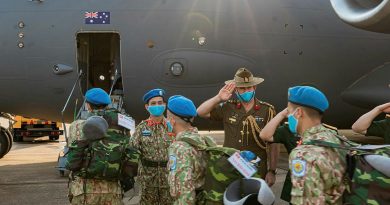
(286, 42)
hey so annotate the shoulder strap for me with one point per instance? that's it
(193, 143)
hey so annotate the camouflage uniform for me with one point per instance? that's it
(94, 191)
(187, 167)
(317, 172)
(152, 140)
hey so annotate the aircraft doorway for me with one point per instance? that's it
(98, 56)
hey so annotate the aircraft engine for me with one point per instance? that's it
(370, 15)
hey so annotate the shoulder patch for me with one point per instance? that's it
(172, 162)
(298, 167)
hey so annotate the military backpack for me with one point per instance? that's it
(219, 172)
(368, 171)
(107, 157)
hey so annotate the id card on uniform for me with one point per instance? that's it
(243, 166)
(126, 122)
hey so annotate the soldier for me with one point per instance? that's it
(274, 133)
(243, 119)
(152, 140)
(94, 191)
(187, 165)
(317, 172)
(365, 124)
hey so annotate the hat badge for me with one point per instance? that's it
(246, 79)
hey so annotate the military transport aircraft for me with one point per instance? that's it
(187, 47)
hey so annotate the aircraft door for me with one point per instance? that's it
(98, 56)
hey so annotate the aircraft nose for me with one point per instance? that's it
(371, 89)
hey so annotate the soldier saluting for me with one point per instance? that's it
(243, 118)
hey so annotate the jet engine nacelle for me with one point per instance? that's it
(370, 15)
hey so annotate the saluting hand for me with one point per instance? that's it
(384, 108)
(226, 92)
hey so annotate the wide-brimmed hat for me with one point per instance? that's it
(244, 78)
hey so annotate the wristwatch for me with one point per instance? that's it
(273, 171)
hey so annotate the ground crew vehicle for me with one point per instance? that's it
(33, 128)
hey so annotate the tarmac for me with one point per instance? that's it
(28, 173)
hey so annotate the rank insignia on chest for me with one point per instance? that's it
(259, 119)
(146, 133)
(298, 167)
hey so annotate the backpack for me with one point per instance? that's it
(104, 153)
(219, 172)
(368, 171)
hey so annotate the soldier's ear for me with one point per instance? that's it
(146, 106)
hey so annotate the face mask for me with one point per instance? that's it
(292, 123)
(246, 97)
(156, 110)
(169, 126)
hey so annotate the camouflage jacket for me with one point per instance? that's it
(317, 173)
(187, 166)
(152, 141)
(76, 187)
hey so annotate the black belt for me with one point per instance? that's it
(149, 163)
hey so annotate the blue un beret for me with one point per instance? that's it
(181, 106)
(97, 96)
(309, 97)
(153, 93)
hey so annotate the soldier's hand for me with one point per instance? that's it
(226, 92)
(384, 108)
(283, 113)
(270, 178)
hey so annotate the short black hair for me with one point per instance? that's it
(97, 107)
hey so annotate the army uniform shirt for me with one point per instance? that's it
(95, 189)
(187, 167)
(380, 128)
(152, 140)
(317, 172)
(238, 133)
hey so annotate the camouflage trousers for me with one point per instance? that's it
(155, 196)
(97, 199)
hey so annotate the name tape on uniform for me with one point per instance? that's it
(243, 166)
(126, 122)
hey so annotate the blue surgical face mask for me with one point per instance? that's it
(156, 110)
(246, 97)
(169, 126)
(292, 123)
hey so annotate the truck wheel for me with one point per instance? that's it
(4, 144)
(10, 138)
(54, 138)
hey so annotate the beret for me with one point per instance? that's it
(97, 96)
(153, 93)
(181, 106)
(309, 97)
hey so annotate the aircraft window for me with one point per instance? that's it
(177, 69)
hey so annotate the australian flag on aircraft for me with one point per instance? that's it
(99, 17)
